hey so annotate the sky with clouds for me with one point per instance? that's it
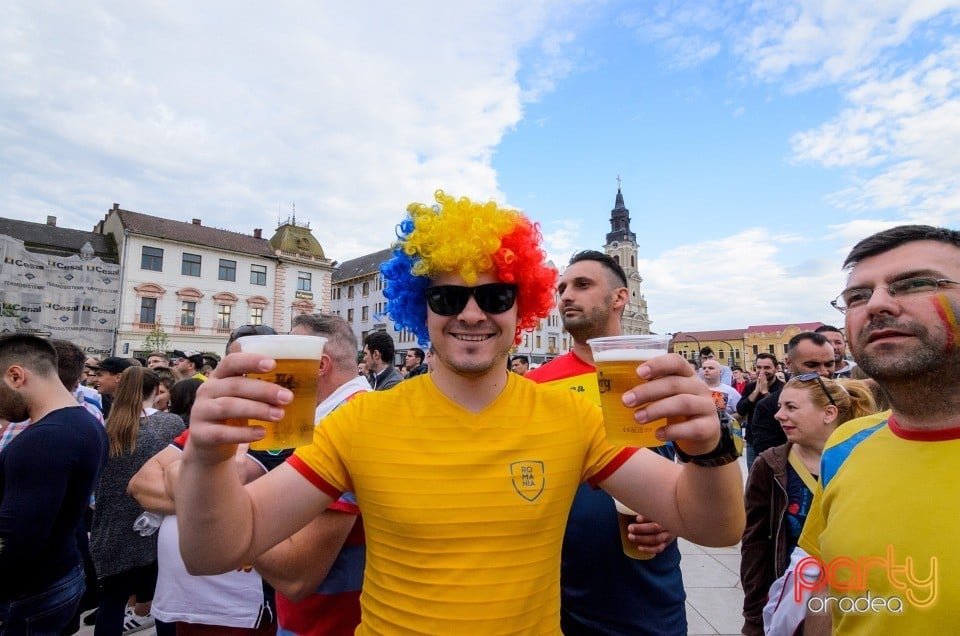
(756, 141)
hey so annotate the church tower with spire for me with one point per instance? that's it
(622, 246)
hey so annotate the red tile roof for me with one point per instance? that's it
(192, 233)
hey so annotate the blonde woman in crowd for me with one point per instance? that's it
(782, 480)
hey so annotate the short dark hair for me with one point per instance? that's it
(182, 396)
(249, 330)
(418, 352)
(895, 237)
(381, 342)
(523, 359)
(812, 336)
(827, 329)
(166, 376)
(736, 367)
(341, 345)
(70, 362)
(706, 351)
(604, 259)
(767, 356)
(32, 352)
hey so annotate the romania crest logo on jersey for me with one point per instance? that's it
(528, 478)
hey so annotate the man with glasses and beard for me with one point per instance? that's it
(889, 481)
(465, 476)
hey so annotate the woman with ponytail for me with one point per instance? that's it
(126, 562)
(782, 480)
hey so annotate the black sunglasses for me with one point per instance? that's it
(252, 330)
(449, 300)
(806, 377)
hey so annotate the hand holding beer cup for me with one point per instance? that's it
(297, 370)
(626, 516)
(616, 359)
(670, 390)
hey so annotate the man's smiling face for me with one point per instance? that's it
(473, 342)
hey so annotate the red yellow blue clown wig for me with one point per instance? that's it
(462, 237)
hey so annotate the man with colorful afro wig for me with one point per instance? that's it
(465, 475)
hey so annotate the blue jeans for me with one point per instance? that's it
(45, 613)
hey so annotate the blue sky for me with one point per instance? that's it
(757, 141)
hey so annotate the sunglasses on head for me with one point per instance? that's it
(806, 377)
(252, 330)
(450, 300)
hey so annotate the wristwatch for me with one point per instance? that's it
(728, 449)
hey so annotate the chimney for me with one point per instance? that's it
(196, 221)
(52, 220)
(116, 206)
(257, 232)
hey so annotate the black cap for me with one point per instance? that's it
(113, 364)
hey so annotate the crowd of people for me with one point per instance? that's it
(466, 492)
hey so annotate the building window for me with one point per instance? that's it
(188, 313)
(538, 342)
(151, 258)
(756, 351)
(228, 270)
(365, 313)
(379, 282)
(772, 351)
(258, 274)
(350, 315)
(191, 265)
(349, 292)
(223, 316)
(304, 281)
(366, 288)
(148, 310)
(256, 315)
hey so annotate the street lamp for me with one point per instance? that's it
(730, 357)
(678, 334)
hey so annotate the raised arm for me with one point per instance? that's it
(702, 504)
(147, 485)
(224, 524)
(296, 566)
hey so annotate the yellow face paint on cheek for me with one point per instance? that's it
(949, 318)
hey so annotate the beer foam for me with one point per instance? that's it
(623, 509)
(284, 347)
(612, 355)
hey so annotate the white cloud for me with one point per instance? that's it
(900, 131)
(224, 111)
(824, 41)
(717, 283)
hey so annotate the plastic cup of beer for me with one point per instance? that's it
(298, 367)
(626, 516)
(617, 359)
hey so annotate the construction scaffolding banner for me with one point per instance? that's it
(73, 298)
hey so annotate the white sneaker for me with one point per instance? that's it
(133, 623)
